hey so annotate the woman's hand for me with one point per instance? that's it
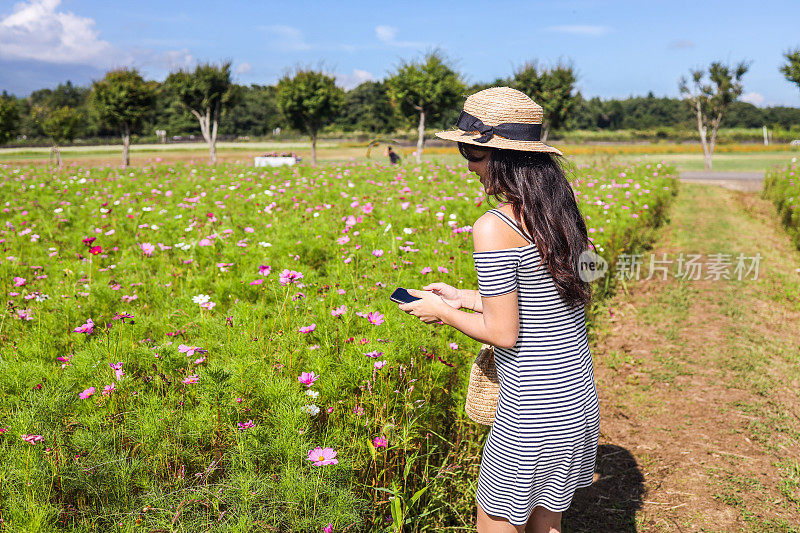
(450, 295)
(428, 308)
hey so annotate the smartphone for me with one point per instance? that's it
(401, 296)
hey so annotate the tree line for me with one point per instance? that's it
(421, 93)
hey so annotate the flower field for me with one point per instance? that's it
(195, 348)
(782, 186)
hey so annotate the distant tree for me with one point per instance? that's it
(309, 100)
(368, 108)
(206, 93)
(551, 88)
(710, 100)
(424, 89)
(791, 70)
(64, 95)
(255, 113)
(9, 117)
(122, 99)
(61, 124)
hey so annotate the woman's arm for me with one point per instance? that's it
(472, 300)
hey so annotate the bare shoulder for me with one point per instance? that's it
(489, 233)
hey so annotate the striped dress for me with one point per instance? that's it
(543, 443)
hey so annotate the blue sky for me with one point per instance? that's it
(619, 48)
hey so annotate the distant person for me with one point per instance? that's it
(394, 159)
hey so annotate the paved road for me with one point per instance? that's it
(740, 181)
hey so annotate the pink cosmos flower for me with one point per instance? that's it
(188, 350)
(147, 248)
(3, 430)
(205, 242)
(339, 310)
(94, 250)
(88, 240)
(289, 276)
(374, 354)
(128, 298)
(307, 378)
(453, 346)
(343, 240)
(246, 425)
(380, 364)
(377, 253)
(328, 528)
(87, 328)
(330, 410)
(426, 270)
(108, 389)
(191, 379)
(264, 270)
(208, 305)
(308, 329)
(199, 360)
(32, 439)
(85, 394)
(24, 314)
(443, 270)
(257, 282)
(19, 282)
(380, 442)
(323, 456)
(375, 318)
(117, 370)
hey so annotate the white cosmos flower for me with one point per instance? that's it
(311, 409)
(201, 298)
(312, 393)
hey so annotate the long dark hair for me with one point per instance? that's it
(535, 185)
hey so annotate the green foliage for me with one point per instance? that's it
(123, 99)
(791, 69)
(9, 117)
(208, 89)
(368, 108)
(427, 86)
(713, 97)
(309, 100)
(255, 113)
(60, 124)
(782, 187)
(550, 87)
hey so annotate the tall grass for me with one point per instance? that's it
(782, 187)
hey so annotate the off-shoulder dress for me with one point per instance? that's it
(543, 444)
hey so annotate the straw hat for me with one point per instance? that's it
(500, 117)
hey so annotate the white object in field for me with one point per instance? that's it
(795, 142)
(274, 161)
(766, 138)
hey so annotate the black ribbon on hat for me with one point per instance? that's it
(509, 130)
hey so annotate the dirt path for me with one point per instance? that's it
(738, 181)
(699, 382)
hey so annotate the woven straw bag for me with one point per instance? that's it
(483, 388)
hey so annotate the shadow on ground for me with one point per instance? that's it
(611, 502)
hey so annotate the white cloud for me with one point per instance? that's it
(38, 32)
(287, 37)
(388, 34)
(357, 77)
(385, 33)
(579, 29)
(753, 98)
(35, 30)
(244, 68)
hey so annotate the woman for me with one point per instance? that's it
(530, 306)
